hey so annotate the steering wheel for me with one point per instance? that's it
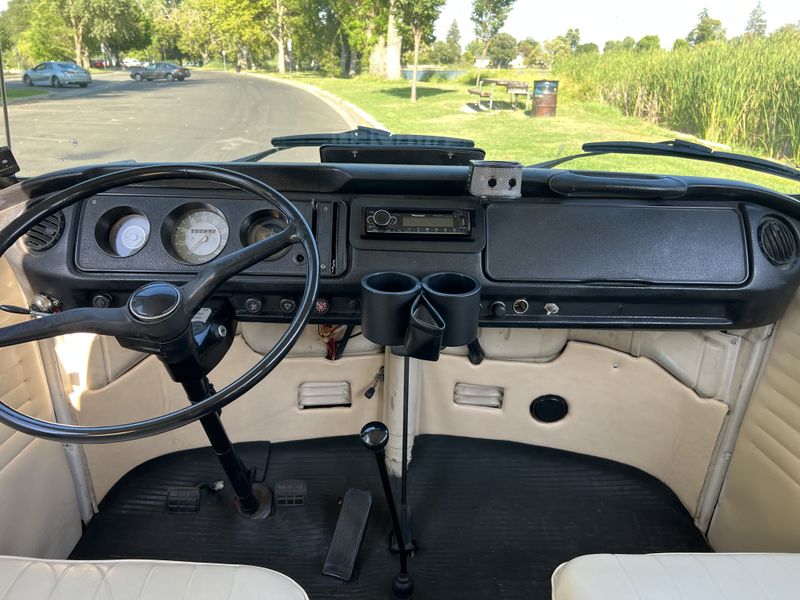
(159, 314)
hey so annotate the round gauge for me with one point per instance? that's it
(199, 235)
(129, 234)
(262, 228)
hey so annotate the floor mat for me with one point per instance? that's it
(492, 519)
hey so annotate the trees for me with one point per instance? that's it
(757, 22)
(419, 16)
(648, 43)
(502, 49)
(453, 41)
(589, 48)
(706, 30)
(680, 44)
(489, 17)
(46, 36)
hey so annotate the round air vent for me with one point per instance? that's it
(45, 233)
(777, 241)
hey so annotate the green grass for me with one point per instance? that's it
(15, 92)
(513, 135)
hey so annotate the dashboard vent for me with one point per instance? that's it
(777, 242)
(45, 233)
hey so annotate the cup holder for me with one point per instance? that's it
(457, 298)
(386, 300)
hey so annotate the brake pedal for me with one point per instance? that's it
(290, 492)
(183, 500)
(349, 534)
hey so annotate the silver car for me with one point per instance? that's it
(57, 74)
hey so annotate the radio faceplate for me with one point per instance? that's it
(380, 222)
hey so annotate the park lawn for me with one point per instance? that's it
(15, 92)
(513, 135)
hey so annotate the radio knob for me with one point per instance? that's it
(382, 218)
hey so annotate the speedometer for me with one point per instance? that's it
(199, 235)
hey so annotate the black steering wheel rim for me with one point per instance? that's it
(98, 434)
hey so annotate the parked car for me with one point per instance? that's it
(130, 63)
(167, 71)
(57, 74)
(99, 63)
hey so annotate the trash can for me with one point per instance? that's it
(545, 96)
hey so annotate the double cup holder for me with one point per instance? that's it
(418, 318)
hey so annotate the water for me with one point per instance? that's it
(426, 74)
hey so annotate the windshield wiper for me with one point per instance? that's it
(362, 136)
(679, 149)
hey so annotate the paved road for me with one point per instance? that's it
(210, 117)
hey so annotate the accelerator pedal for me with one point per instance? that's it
(349, 533)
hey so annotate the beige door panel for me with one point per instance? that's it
(759, 507)
(39, 508)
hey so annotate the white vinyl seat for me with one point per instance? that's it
(700, 576)
(35, 579)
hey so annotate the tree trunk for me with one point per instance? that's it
(281, 55)
(377, 58)
(343, 56)
(77, 37)
(417, 42)
(353, 70)
(393, 47)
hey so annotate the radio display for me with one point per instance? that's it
(412, 220)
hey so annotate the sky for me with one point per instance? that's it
(603, 20)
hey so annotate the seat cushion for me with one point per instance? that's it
(34, 579)
(678, 577)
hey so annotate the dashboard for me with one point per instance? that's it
(592, 253)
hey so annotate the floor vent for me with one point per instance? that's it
(777, 241)
(323, 394)
(45, 233)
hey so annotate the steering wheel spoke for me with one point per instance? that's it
(105, 321)
(208, 280)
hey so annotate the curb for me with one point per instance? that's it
(352, 114)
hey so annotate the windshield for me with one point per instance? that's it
(202, 80)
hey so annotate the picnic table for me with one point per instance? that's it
(514, 89)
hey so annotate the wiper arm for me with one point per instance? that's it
(679, 149)
(362, 136)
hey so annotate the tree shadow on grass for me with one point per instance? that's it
(422, 92)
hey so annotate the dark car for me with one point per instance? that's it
(162, 70)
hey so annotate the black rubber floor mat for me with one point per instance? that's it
(492, 519)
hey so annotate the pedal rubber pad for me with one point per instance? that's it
(349, 533)
(183, 500)
(290, 492)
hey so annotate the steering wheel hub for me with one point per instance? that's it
(154, 301)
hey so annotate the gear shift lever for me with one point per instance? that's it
(375, 436)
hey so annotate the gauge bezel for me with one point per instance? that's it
(260, 216)
(179, 212)
(107, 221)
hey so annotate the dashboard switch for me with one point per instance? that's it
(253, 305)
(498, 308)
(288, 306)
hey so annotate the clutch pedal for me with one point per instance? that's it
(349, 533)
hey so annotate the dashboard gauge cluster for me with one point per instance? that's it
(143, 233)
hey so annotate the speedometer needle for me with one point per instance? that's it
(202, 240)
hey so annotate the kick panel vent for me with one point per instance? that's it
(45, 233)
(777, 241)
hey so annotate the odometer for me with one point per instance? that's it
(199, 235)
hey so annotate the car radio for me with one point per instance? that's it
(418, 223)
